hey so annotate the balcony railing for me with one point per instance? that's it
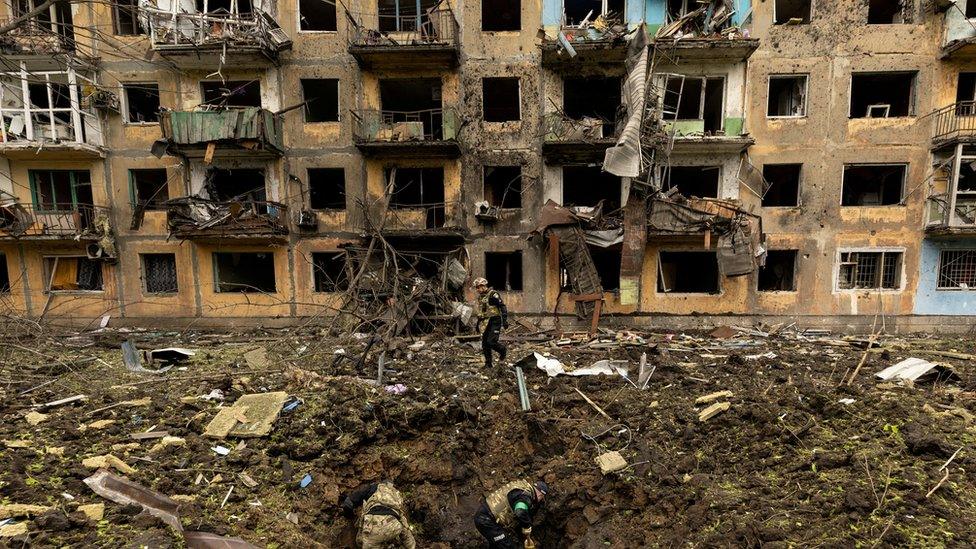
(431, 125)
(195, 217)
(435, 27)
(560, 128)
(964, 218)
(955, 122)
(231, 32)
(421, 216)
(33, 37)
(195, 130)
(52, 221)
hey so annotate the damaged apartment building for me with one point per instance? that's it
(226, 160)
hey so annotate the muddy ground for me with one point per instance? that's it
(788, 464)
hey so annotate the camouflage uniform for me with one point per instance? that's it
(383, 523)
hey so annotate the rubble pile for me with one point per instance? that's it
(744, 435)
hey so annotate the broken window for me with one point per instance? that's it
(784, 185)
(870, 270)
(404, 15)
(779, 273)
(607, 263)
(4, 274)
(688, 272)
(235, 184)
(224, 6)
(329, 271)
(882, 94)
(327, 188)
(967, 175)
(787, 96)
(316, 15)
(593, 98)
(577, 11)
(53, 97)
(501, 15)
(55, 19)
(141, 103)
(588, 185)
(126, 18)
(150, 188)
(695, 98)
(412, 100)
(500, 97)
(966, 92)
(159, 273)
(887, 12)
(503, 270)
(321, 96)
(873, 184)
(233, 93)
(957, 270)
(419, 188)
(503, 186)
(73, 274)
(700, 181)
(60, 190)
(791, 12)
(250, 272)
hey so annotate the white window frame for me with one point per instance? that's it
(125, 103)
(881, 249)
(806, 93)
(338, 99)
(701, 100)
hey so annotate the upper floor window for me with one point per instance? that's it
(316, 15)
(501, 99)
(882, 94)
(695, 98)
(403, 15)
(60, 190)
(141, 103)
(577, 11)
(125, 18)
(787, 96)
(888, 12)
(232, 93)
(321, 97)
(501, 15)
(873, 184)
(791, 12)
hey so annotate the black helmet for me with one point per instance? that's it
(542, 487)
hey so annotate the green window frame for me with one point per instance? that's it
(76, 178)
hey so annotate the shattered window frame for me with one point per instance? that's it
(872, 269)
(307, 111)
(155, 203)
(660, 286)
(513, 188)
(149, 287)
(846, 168)
(493, 115)
(127, 11)
(300, 19)
(87, 272)
(906, 9)
(231, 287)
(955, 264)
(147, 89)
(792, 275)
(604, 9)
(498, 24)
(322, 282)
(912, 110)
(799, 184)
(805, 94)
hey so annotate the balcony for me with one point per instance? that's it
(24, 221)
(575, 47)
(954, 124)
(401, 42)
(46, 117)
(195, 218)
(430, 133)
(202, 39)
(568, 141)
(690, 136)
(232, 132)
(713, 48)
(962, 223)
(423, 220)
(35, 38)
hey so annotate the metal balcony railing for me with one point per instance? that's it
(436, 26)
(193, 216)
(189, 31)
(377, 126)
(560, 128)
(954, 122)
(52, 221)
(33, 37)
(965, 211)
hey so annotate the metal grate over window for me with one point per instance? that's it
(870, 270)
(160, 273)
(957, 269)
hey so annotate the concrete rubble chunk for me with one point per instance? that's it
(251, 416)
(123, 491)
(611, 462)
(107, 461)
(14, 510)
(257, 358)
(13, 530)
(33, 417)
(713, 410)
(94, 511)
(712, 397)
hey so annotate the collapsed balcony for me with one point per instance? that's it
(403, 37)
(580, 42)
(588, 124)
(205, 38)
(705, 33)
(34, 37)
(430, 133)
(53, 221)
(959, 36)
(48, 116)
(196, 218)
(247, 131)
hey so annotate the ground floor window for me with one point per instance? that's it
(503, 270)
(688, 272)
(244, 272)
(870, 270)
(73, 273)
(159, 273)
(329, 271)
(957, 270)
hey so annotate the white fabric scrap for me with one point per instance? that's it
(553, 367)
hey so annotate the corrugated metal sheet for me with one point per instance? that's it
(201, 127)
